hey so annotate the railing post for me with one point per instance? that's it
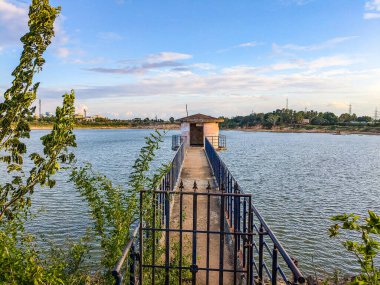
(194, 266)
(132, 266)
(295, 280)
(221, 241)
(261, 254)
(167, 238)
(141, 241)
(274, 265)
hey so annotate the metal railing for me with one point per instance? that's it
(126, 267)
(218, 142)
(161, 268)
(177, 140)
(266, 262)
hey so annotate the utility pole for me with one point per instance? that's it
(376, 114)
(85, 113)
(287, 103)
(350, 109)
(187, 113)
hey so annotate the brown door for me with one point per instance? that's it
(196, 135)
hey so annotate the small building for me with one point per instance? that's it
(79, 116)
(196, 128)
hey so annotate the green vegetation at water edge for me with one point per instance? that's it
(303, 120)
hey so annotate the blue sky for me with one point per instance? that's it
(127, 58)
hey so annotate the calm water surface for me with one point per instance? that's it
(298, 181)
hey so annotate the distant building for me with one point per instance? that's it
(197, 127)
(305, 121)
(79, 116)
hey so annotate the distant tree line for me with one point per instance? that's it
(104, 121)
(288, 117)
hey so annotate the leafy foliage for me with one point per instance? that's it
(115, 209)
(24, 262)
(17, 107)
(289, 117)
(367, 249)
(21, 258)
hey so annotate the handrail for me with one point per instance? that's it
(217, 141)
(116, 272)
(223, 175)
(168, 183)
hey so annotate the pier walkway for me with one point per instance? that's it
(196, 168)
(203, 229)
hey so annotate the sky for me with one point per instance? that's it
(139, 58)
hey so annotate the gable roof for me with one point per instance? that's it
(200, 118)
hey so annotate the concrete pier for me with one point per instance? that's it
(196, 168)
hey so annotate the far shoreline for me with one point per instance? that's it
(257, 130)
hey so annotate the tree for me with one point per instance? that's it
(271, 120)
(331, 118)
(16, 108)
(364, 119)
(318, 120)
(21, 261)
(345, 118)
(171, 120)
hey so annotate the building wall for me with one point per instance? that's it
(211, 130)
(185, 132)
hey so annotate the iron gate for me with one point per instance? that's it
(161, 262)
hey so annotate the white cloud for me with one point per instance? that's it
(241, 45)
(372, 10)
(314, 47)
(167, 56)
(370, 16)
(203, 66)
(288, 65)
(13, 22)
(373, 5)
(110, 36)
(234, 90)
(63, 52)
(296, 2)
(338, 105)
(331, 61)
(80, 108)
(248, 44)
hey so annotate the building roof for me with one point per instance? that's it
(200, 118)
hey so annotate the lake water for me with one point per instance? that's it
(298, 181)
